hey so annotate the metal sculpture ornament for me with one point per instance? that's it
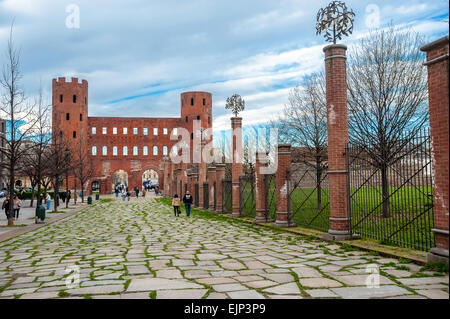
(236, 104)
(334, 21)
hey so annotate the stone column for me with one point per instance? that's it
(236, 166)
(337, 124)
(220, 175)
(260, 191)
(437, 64)
(282, 186)
(211, 180)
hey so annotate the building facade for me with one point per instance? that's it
(132, 144)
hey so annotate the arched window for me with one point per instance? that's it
(114, 150)
(135, 150)
(145, 150)
(94, 150)
(155, 150)
(164, 150)
(125, 150)
(105, 150)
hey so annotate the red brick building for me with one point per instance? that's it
(132, 144)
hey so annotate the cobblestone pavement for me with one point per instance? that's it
(140, 250)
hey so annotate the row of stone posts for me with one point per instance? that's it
(337, 125)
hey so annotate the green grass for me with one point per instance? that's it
(406, 204)
(106, 200)
(63, 294)
(438, 266)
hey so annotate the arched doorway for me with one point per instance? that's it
(149, 178)
(119, 178)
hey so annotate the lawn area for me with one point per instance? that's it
(408, 224)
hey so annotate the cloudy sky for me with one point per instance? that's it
(139, 55)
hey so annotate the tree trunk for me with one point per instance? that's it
(319, 183)
(319, 189)
(385, 190)
(32, 197)
(11, 197)
(56, 195)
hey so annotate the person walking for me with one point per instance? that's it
(124, 194)
(48, 199)
(69, 196)
(16, 206)
(63, 196)
(187, 200)
(176, 205)
(116, 191)
(136, 190)
(128, 195)
(5, 206)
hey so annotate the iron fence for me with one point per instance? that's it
(214, 196)
(308, 196)
(270, 196)
(393, 202)
(196, 197)
(247, 201)
(227, 202)
(205, 195)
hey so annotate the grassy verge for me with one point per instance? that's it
(372, 246)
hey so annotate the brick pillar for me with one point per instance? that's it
(167, 176)
(437, 64)
(211, 180)
(201, 176)
(194, 181)
(260, 191)
(102, 189)
(108, 185)
(236, 166)
(282, 186)
(161, 177)
(220, 175)
(337, 124)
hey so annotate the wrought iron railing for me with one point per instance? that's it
(227, 202)
(308, 196)
(393, 203)
(247, 201)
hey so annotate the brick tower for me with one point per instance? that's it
(70, 111)
(196, 106)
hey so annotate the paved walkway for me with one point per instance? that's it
(140, 250)
(27, 214)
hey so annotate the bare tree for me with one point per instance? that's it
(34, 164)
(303, 123)
(387, 94)
(82, 166)
(58, 161)
(18, 113)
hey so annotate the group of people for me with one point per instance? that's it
(187, 200)
(126, 194)
(17, 203)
